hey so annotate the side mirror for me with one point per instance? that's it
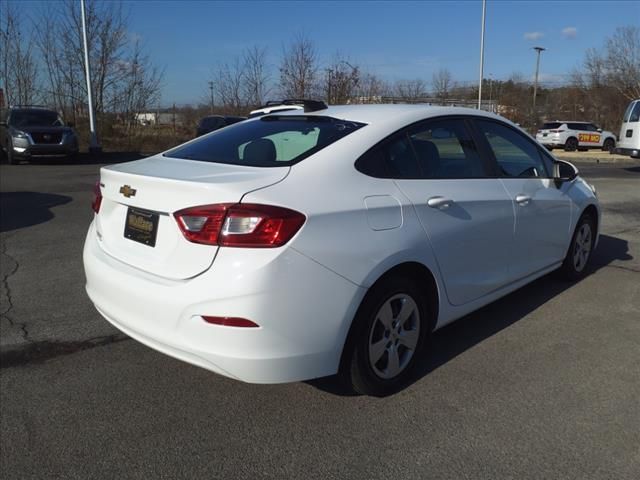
(564, 171)
(600, 130)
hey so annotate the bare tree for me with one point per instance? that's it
(256, 77)
(299, 69)
(18, 68)
(341, 81)
(371, 89)
(410, 90)
(622, 60)
(230, 86)
(442, 83)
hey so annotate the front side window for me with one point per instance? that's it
(271, 141)
(445, 149)
(516, 155)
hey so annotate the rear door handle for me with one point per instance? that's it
(439, 202)
(522, 199)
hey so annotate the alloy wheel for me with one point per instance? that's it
(394, 336)
(582, 247)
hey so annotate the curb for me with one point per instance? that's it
(597, 160)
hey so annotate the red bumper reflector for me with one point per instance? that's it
(229, 321)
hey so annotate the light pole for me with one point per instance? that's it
(539, 50)
(211, 89)
(94, 146)
(484, 11)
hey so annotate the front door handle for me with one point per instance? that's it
(523, 199)
(439, 202)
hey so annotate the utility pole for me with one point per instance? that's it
(484, 11)
(211, 89)
(539, 50)
(94, 146)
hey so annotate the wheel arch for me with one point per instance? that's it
(418, 273)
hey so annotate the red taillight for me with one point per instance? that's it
(97, 197)
(556, 131)
(239, 225)
(230, 321)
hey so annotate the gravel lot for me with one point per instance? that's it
(541, 384)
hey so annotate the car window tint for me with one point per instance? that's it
(517, 156)
(290, 144)
(394, 158)
(444, 149)
(551, 126)
(576, 126)
(268, 141)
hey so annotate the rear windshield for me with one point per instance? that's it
(270, 141)
(551, 126)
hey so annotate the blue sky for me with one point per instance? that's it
(396, 40)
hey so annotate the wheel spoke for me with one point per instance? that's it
(393, 365)
(407, 309)
(385, 315)
(377, 350)
(409, 338)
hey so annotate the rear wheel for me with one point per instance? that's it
(387, 338)
(571, 144)
(579, 254)
(608, 145)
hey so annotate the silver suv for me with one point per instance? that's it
(575, 136)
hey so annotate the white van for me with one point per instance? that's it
(629, 142)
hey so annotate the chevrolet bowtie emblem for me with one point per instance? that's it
(127, 191)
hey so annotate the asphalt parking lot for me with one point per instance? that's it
(544, 383)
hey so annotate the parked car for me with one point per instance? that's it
(294, 246)
(27, 132)
(629, 142)
(214, 122)
(287, 105)
(575, 136)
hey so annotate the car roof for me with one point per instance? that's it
(395, 113)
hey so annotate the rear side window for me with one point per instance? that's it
(270, 141)
(445, 149)
(517, 156)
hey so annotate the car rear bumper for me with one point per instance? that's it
(630, 152)
(303, 311)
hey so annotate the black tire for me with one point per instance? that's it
(549, 147)
(608, 145)
(571, 144)
(10, 157)
(358, 372)
(572, 269)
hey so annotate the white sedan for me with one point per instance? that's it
(309, 243)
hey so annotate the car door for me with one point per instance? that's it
(467, 216)
(542, 209)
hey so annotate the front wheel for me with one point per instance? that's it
(579, 254)
(608, 145)
(387, 338)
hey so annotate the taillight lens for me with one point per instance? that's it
(97, 197)
(230, 321)
(239, 225)
(556, 131)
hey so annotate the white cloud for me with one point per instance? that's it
(569, 32)
(533, 35)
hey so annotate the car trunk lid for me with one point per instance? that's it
(136, 224)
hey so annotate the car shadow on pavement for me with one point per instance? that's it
(461, 335)
(25, 209)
